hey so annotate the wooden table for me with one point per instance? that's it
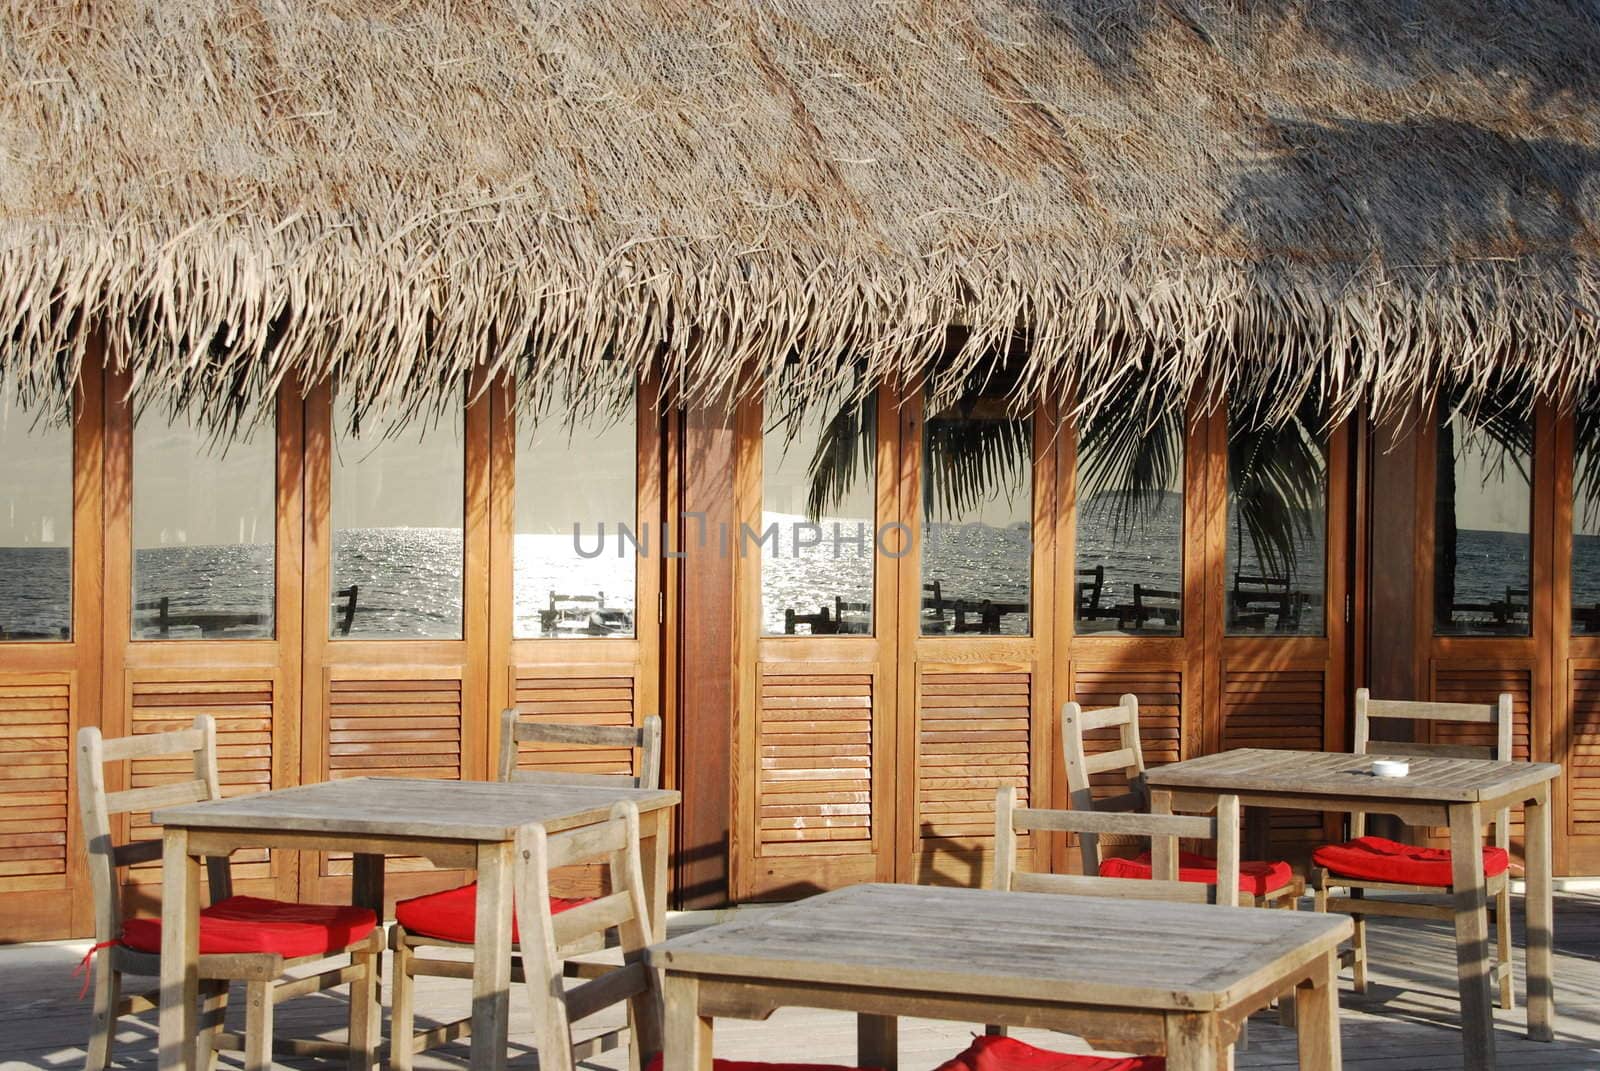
(1458, 793)
(1132, 974)
(470, 825)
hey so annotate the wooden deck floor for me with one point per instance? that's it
(1406, 1021)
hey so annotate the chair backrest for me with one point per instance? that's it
(545, 937)
(97, 806)
(1089, 591)
(645, 738)
(1163, 831)
(1497, 715)
(1127, 758)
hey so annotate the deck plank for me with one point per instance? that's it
(1407, 1021)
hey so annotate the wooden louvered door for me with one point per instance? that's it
(156, 683)
(1277, 677)
(1574, 724)
(1105, 651)
(1491, 656)
(556, 670)
(379, 702)
(975, 706)
(48, 689)
(814, 730)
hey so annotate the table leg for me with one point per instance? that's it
(1539, 914)
(1193, 1042)
(878, 1042)
(1472, 936)
(654, 838)
(1257, 833)
(688, 1034)
(366, 1009)
(491, 958)
(1316, 1004)
(180, 952)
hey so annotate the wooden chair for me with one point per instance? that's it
(852, 618)
(645, 738)
(133, 947)
(821, 623)
(1261, 883)
(1154, 603)
(547, 937)
(551, 935)
(1163, 832)
(447, 919)
(1346, 866)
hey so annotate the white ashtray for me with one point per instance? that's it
(1390, 767)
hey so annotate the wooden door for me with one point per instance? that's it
(165, 661)
(974, 706)
(49, 687)
(1277, 658)
(814, 739)
(1105, 647)
(1503, 646)
(377, 704)
(1575, 654)
(579, 675)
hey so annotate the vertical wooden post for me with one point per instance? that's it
(706, 596)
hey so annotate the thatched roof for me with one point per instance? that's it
(1361, 197)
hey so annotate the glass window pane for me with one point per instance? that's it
(1586, 524)
(1277, 525)
(578, 539)
(1483, 502)
(977, 515)
(399, 503)
(203, 530)
(1129, 570)
(35, 523)
(818, 508)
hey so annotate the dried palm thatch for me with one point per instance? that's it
(1359, 199)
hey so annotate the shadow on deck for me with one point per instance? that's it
(1406, 1020)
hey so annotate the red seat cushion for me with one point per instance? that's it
(251, 924)
(1255, 878)
(1378, 859)
(654, 1064)
(988, 1053)
(452, 915)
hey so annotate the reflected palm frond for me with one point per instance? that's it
(1277, 479)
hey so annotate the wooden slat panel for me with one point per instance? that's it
(1278, 708)
(974, 735)
(391, 726)
(1583, 755)
(242, 708)
(815, 755)
(35, 750)
(1477, 683)
(603, 696)
(1160, 692)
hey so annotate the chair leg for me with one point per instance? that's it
(402, 1012)
(258, 1025)
(213, 1016)
(366, 1009)
(1502, 925)
(1358, 966)
(107, 992)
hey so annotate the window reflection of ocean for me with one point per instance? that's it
(411, 578)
